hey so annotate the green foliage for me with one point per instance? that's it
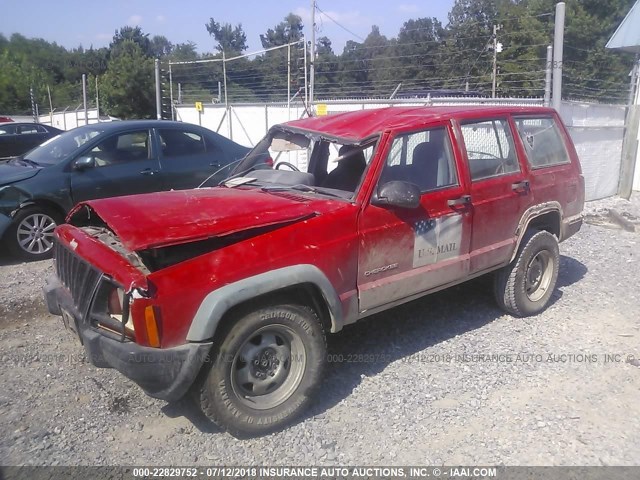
(131, 34)
(287, 31)
(231, 40)
(160, 46)
(128, 85)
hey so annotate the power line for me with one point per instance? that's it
(338, 23)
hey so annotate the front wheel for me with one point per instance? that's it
(524, 287)
(30, 235)
(265, 371)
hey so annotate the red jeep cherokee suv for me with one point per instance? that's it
(228, 292)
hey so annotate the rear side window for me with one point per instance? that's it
(542, 141)
(490, 148)
(24, 129)
(180, 143)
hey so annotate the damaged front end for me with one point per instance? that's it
(117, 288)
(114, 314)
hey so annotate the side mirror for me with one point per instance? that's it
(83, 163)
(397, 194)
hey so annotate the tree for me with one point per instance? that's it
(590, 70)
(419, 53)
(160, 46)
(231, 40)
(326, 68)
(132, 34)
(128, 86)
(184, 52)
(287, 31)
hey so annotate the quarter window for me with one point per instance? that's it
(490, 149)
(423, 158)
(542, 141)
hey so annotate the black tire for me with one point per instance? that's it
(248, 399)
(525, 286)
(43, 220)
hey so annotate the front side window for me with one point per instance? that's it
(542, 141)
(179, 143)
(490, 149)
(305, 161)
(423, 158)
(121, 148)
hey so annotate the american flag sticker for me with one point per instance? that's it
(436, 239)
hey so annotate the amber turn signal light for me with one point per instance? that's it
(152, 326)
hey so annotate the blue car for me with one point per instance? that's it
(103, 160)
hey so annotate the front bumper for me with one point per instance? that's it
(164, 373)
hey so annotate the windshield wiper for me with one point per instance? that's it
(301, 188)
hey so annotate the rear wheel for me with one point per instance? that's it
(525, 286)
(30, 236)
(265, 371)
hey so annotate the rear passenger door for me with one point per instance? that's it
(552, 175)
(500, 191)
(405, 252)
(187, 158)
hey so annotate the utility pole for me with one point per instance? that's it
(496, 48)
(558, 50)
(313, 52)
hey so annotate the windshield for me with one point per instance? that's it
(62, 146)
(305, 161)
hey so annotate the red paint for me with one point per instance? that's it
(345, 240)
(170, 218)
(366, 123)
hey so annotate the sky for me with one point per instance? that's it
(71, 23)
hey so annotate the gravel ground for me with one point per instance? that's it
(543, 394)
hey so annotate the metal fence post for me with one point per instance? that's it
(158, 91)
(173, 116)
(33, 105)
(84, 98)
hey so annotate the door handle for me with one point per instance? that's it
(522, 186)
(463, 200)
(148, 171)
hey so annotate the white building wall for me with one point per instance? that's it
(636, 176)
(66, 120)
(598, 133)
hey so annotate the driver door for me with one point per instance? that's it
(123, 164)
(406, 252)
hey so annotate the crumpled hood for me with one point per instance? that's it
(11, 172)
(170, 218)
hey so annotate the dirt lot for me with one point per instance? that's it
(437, 381)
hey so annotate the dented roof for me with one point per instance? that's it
(363, 124)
